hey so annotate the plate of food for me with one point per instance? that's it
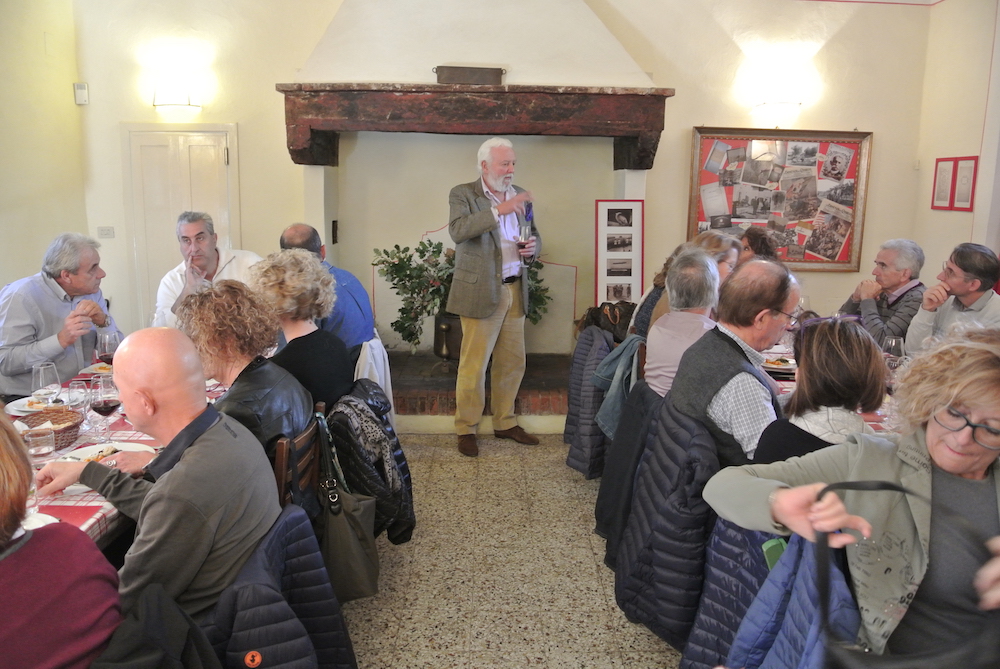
(780, 364)
(26, 405)
(98, 368)
(100, 451)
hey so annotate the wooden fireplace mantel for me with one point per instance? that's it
(316, 114)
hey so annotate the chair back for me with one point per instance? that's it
(297, 464)
(640, 361)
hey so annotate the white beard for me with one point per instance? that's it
(498, 184)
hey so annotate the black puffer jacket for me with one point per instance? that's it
(269, 402)
(372, 458)
(585, 438)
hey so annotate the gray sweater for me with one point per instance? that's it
(882, 319)
(200, 521)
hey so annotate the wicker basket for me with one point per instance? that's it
(66, 435)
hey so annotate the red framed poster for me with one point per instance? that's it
(955, 183)
(806, 188)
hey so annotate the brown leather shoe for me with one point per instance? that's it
(518, 434)
(467, 445)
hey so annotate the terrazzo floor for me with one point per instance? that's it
(503, 569)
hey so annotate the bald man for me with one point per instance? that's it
(211, 497)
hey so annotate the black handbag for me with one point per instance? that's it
(611, 316)
(980, 651)
(345, 529)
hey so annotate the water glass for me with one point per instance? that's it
(44, 381)
(40, 443)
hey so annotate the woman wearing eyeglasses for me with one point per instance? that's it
(840, 370)
(913, 572)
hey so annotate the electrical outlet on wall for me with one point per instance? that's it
(105, 232)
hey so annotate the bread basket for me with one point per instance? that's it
(69, 419)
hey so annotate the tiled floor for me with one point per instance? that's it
(503, 569)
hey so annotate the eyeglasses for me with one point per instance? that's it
(954, 420)
(793, 319)
(950, 273)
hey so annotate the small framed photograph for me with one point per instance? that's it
(965, 183)
(619, 250)
(944, 177)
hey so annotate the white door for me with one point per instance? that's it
(171, 170)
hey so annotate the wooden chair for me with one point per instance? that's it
(303, 450)
(640, 356)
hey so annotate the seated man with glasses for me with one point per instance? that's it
(965, 295)
(720, 381)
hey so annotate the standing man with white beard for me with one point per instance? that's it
(490, 292)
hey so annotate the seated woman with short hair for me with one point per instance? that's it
(840, 370)
(232, 327)
(60, 595)
(299, 289)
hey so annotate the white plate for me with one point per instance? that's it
(36, 520)
(790, 367)
(20, 407)
(97, 368)
(85, 452)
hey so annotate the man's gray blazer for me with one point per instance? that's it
(475, 289)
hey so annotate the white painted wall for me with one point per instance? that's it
(41, 149)
(956, 85)
(555, 42)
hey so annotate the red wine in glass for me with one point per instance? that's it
(105, 407)
(107, 358)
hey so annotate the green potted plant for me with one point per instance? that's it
(422, 278)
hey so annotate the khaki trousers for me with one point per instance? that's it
(500, 335)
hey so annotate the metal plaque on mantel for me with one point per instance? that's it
(484, 76)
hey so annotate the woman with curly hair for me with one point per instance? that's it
(60, 595)
(919, 583)
(300, 290)
(232, 327)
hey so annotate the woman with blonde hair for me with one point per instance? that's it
(840, 370)
(300, 290)
(232, 327)
(722, 248)
(60, 594)
(919, 585)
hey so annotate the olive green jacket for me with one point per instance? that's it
(887, 569)
(475, 287)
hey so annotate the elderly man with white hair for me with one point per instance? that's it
(204, 263)
(52, 316)
(889, 302)
(490, 292)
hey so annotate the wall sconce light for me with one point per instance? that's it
(177, 74)
(777, 80)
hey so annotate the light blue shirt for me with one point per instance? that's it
(32, 312)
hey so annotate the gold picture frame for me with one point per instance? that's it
(808, 188)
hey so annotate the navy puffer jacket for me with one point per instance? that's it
(661, 559)
(735, 569)
(585, 438)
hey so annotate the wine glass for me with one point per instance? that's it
(104, 401)
(895, 357)
(78, 399)
(107, 344)
(44, 381)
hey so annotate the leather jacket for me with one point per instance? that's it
(269, 402)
